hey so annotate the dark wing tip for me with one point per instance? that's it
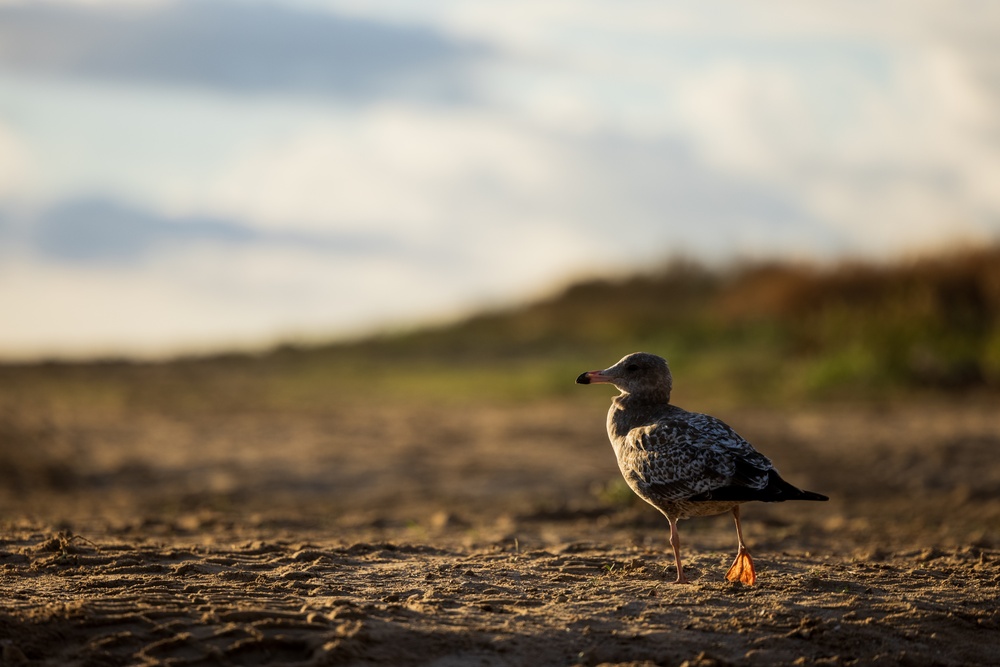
(776, 491)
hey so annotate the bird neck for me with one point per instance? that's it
(629, 411)
(635, 401)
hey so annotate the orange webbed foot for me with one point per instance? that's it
(742, 569)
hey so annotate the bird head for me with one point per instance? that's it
(641, 374)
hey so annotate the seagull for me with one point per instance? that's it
(684, 464)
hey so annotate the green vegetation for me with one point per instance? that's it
(757, 333)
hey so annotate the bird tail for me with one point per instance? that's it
(782, 490)
(776, 491)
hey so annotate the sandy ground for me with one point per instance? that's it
(487, 535)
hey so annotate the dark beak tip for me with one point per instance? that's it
(583, 379)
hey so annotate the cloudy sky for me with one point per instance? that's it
(188, 175)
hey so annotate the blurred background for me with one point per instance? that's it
(243, 241)
(181, 176)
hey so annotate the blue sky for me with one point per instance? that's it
(181, 175)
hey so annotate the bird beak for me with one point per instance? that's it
(593, 377)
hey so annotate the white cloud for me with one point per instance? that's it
(796, 100)
(16, 164)
(412, 172)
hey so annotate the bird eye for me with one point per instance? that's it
(632, 367)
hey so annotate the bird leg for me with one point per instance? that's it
(675, 542)
(742, 568)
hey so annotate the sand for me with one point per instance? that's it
(490, 535)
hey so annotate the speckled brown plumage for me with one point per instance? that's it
(683, 463)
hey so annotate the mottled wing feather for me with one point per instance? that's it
(676, 459)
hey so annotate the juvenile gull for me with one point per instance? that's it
(683, 463)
